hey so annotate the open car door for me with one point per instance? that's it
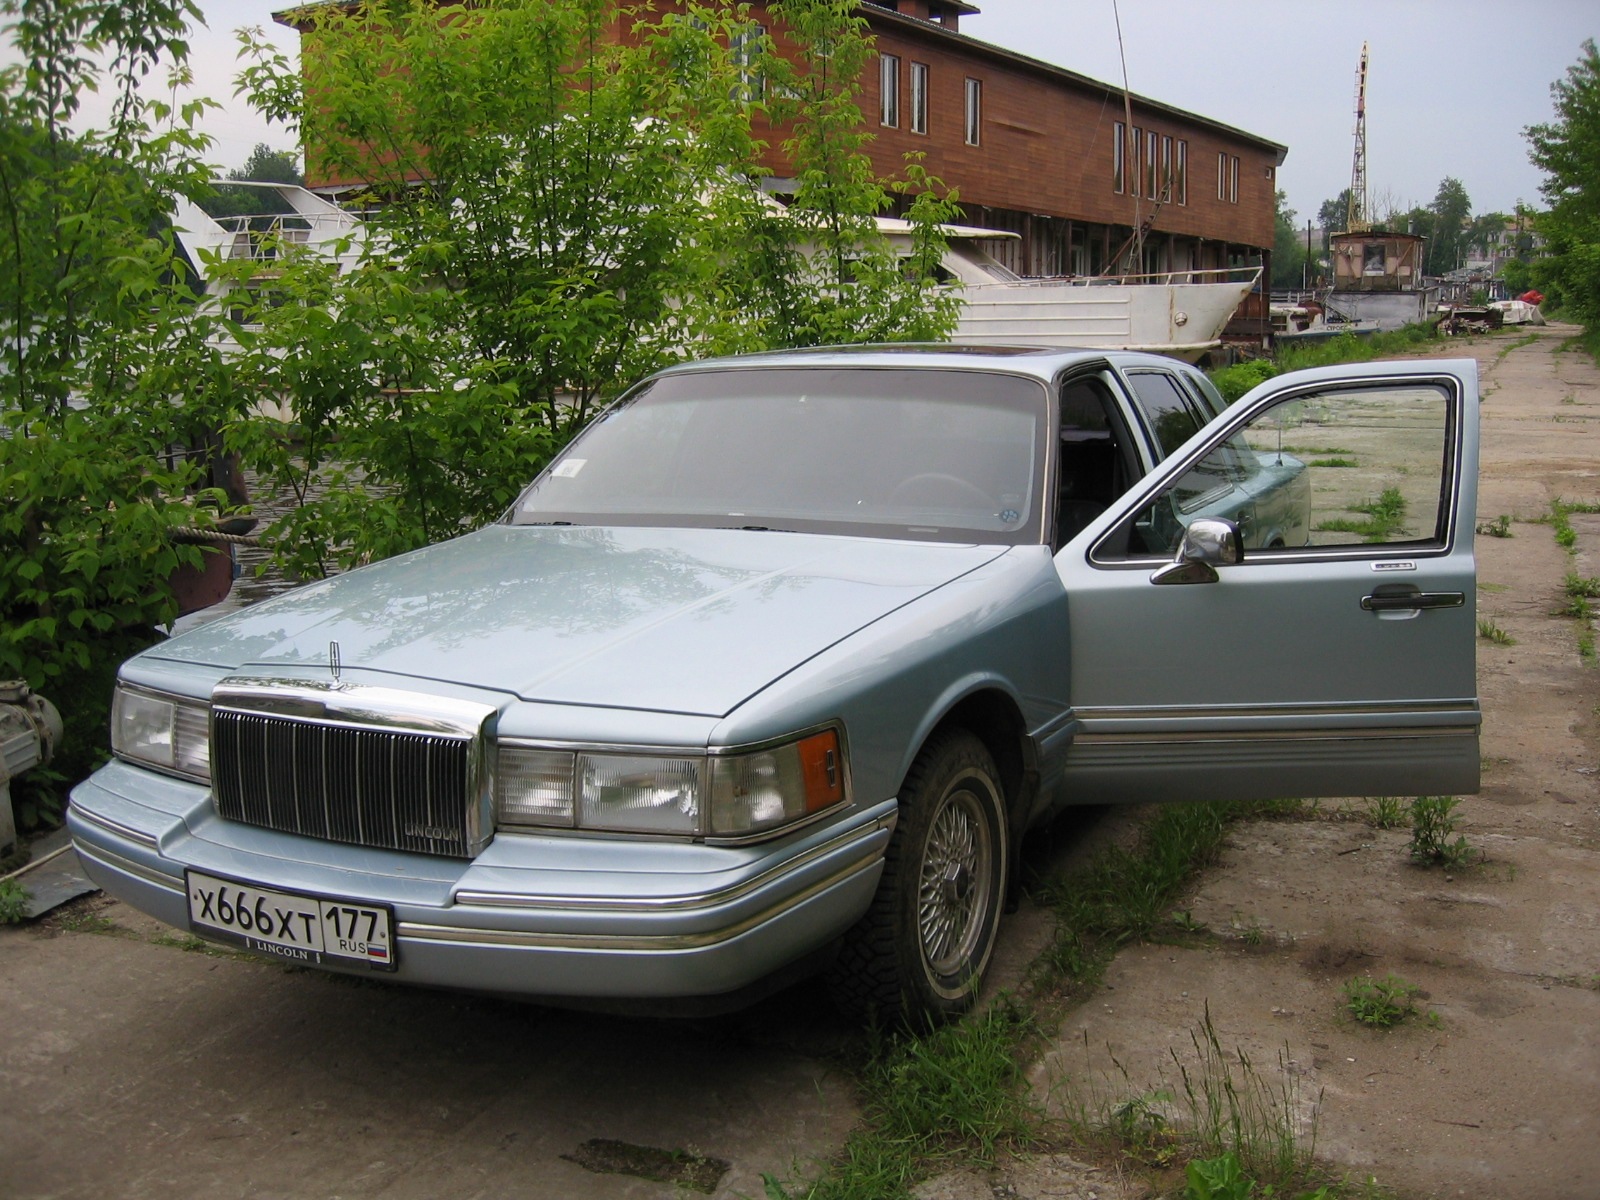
(1286, 606)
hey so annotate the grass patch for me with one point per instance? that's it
(1334, 462)
(1490, 632)
(1125, 895)
(956, 1096)
(1587, 342)
(1525, 340)
(1586, 586)
(1385, 517)
(1500, 527)
(1380, 1003)
(1220, 1103)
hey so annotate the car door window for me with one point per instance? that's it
(1347, 467)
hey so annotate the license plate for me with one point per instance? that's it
(314, 930)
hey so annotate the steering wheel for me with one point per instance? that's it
(932, 487)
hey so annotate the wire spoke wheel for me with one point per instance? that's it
(920, 951)
(954, 884)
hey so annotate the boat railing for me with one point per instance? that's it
(1238, 275)
(266, 237)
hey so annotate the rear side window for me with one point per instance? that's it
(1168, 411)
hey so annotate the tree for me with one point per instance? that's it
(265, 165)
(108, 363)
(1567, 150)
(1451, 211)
(1288, 249)
(1332, 216)
(557, 211)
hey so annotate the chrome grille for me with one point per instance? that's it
(366, 780)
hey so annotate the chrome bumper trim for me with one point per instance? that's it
(117, 828)
(699, 900)
(415, 931)
(127, 866)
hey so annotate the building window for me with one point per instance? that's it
(1183, 172)
(1135, 158)
(919, 97)
(1152, 183)
(889, 90)
(1228, 178)
(1119, 155)
(745, 45)
(974, 111)
(1167, 189)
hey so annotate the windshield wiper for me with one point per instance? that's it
(757, 528)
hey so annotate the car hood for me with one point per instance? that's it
(672, 620)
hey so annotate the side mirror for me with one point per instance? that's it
(1208, 543)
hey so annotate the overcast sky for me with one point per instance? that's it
(1451, 83)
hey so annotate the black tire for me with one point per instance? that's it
(919, 953)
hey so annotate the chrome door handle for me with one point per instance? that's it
(1390, 601)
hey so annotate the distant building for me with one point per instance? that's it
(1516, 239)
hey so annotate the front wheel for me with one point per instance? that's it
(920, 951)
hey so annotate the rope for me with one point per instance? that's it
(186, 536)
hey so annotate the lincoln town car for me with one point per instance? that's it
(770, 670)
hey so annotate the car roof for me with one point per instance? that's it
(1040, 362)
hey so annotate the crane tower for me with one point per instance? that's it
(1355, 218)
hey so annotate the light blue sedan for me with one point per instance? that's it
(770, 671)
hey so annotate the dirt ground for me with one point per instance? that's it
(1497, 1094)
(133, 1068)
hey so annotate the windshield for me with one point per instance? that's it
(921, 454)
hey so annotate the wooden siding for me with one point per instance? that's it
(1047, 146)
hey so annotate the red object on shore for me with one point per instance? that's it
(1532, 297)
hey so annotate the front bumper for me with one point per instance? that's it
(535, 914)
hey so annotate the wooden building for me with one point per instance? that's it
(1046, 153)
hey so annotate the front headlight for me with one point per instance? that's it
(638, 794)
(690, 795)
(170, 733)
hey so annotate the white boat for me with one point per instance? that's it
(289, 216)
(1181, 313)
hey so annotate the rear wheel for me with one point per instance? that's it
(920, 951)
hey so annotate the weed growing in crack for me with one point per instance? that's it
(1500, 527)
(1490, 632)
(1385, 812)
(1184, 922)
(1432, 822)
(1231, 1107)
(1380, 1003)
(1223, 1178)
